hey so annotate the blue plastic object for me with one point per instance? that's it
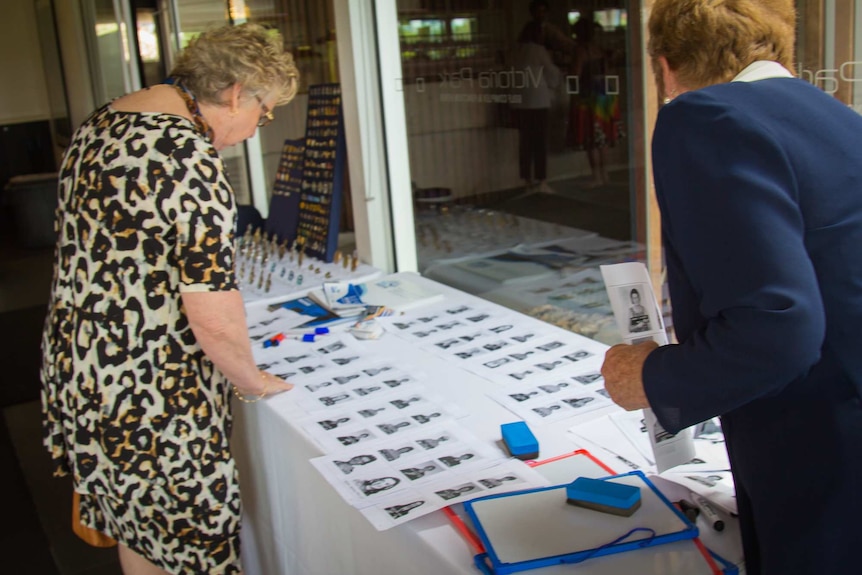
(519, 440)
(603, 495)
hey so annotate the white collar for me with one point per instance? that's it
(762, 70)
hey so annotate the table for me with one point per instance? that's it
(295, 523)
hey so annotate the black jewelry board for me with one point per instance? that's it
(283, 217)
(323, 172)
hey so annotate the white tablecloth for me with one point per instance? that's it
(295, 523)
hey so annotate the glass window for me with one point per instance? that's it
(521, 152)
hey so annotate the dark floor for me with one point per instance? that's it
(35, 536)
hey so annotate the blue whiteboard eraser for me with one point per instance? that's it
(604, 496)
(519, 440)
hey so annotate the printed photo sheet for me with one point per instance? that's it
(390, 416)
(555, 398)
(424, 470)
(497, 345)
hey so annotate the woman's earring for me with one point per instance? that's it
(669, 98)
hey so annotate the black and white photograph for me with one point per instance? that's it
(332, 347)
(547, 410)
(393, 383)
(355, 438)
(423, 333)
(347, 467)
(448, 343)
(637, 310)
(330, 400)
(455, 460)
(423, 418)
(588, 378)
(524, 396)
(396, 453)
(398, 511)
(405, 403)
(524, 337)
(371, 411)
(501, 328)
(553, 387)
(578, 402)
(496, 345)
(377, 485)
(468, 353)
(494, 482)
(550, 365)
(550, 345)
(495, 363)
(329, 424)
(579, 355)
(458, 491)
(393, 427)
(372, 371)
(314, 387)
(433, 442)
(521, 375)
(421, 470)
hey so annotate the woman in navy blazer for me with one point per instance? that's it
(759, 181)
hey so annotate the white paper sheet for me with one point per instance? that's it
(639, 319)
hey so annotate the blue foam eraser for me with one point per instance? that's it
(606, 496)
(519, 440)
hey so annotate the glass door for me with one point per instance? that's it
(525, 145)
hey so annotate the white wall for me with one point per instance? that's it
(23, 95)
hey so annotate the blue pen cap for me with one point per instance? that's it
(308, 337)
(321, 330)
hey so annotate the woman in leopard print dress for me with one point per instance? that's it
(145, 334)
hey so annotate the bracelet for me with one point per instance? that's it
(243, 399)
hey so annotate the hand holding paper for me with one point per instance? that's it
(622, 371)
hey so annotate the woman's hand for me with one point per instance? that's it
(274, 384)
(622, 370)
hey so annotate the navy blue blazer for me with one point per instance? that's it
(760, 190)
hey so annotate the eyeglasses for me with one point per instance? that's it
(267, 116)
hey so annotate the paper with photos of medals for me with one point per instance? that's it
(436, 466)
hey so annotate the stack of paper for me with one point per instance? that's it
(399, 292)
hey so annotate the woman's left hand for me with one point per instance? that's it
(274, 384)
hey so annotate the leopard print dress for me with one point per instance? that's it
(133, 410)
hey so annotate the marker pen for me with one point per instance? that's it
(690, 510)
(709, 512)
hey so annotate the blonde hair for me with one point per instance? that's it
(248, 55)
(710, 41)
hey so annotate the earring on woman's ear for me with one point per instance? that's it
(669, 98)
